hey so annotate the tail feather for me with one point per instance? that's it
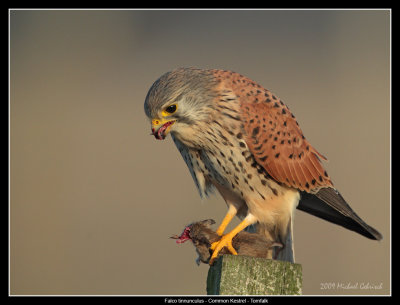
(329, 205)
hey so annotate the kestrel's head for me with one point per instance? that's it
(178, 99)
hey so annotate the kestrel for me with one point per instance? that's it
(239, 138)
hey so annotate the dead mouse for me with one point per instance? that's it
(245, 243)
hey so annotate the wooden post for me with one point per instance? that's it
(244, 275)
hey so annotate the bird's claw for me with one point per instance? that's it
(225, 241)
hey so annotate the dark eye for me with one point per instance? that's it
(171, 109)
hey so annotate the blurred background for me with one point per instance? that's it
(94, 198)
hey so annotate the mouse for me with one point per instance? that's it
(245, 243)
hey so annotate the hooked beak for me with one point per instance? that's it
(160, 128)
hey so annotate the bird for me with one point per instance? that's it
(245, 243)
(240, 139)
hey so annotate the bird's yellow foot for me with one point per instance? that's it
(225, 241)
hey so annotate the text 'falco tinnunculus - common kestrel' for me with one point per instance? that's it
(241, 139)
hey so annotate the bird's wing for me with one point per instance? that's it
(204, 187)
(329, 205)
(277, 143)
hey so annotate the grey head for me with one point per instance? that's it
(179, 97)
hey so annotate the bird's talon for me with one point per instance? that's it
(225, 241)
(214, 245)
(232, 249)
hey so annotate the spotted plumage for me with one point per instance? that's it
(241, 139)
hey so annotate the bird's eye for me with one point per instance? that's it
(171, 109)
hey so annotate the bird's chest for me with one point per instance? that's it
(221, 156)
(227, 161)
(239, 173)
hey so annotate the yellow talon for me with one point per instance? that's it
(214, 245)
(225, 241)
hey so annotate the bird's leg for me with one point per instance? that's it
(232, 210)
(226, 240)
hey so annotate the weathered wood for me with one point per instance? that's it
(243, 275)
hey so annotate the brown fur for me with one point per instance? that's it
(245, 243)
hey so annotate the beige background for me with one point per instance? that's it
(94, 198)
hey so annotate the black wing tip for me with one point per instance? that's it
(375, 234)
(370, 233)
(331, 206)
